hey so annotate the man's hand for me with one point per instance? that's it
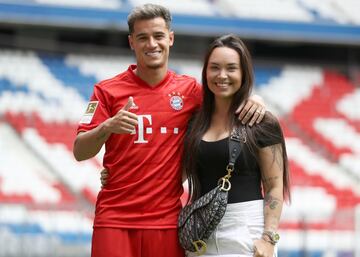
(252, 110)
(104, 174)
(123, 122)
(88, 144)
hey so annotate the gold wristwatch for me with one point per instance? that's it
(273, 236)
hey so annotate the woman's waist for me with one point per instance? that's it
(246, 208)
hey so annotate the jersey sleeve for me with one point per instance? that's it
(96, 111)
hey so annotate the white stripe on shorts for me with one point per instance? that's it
(241, 225)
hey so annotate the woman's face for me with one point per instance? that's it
(223, 72)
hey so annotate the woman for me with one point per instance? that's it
(260, 182)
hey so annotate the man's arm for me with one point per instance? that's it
(252, 110)
(88, 144)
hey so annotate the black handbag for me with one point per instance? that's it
(199, 219)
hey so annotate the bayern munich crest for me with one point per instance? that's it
(176, 101)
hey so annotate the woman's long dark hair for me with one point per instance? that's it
(201, 121)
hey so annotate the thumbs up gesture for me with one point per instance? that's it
(123, 122)
(129, 103)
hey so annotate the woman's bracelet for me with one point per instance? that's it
(266, 238)
(270, 236)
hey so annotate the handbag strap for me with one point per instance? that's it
(237, 137)
(235, 148)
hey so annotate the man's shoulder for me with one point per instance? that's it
(185, 79)
(115, 80)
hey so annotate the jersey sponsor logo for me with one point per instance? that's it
(89, 113)
(144, 128)
(141, 137)
(176, 101)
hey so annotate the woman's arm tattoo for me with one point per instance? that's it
(277, 155)
(271, 201)
(269, 180)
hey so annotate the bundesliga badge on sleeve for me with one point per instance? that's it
(89, 113)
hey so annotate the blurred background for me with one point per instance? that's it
(307, 65)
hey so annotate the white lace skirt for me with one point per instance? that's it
(241, 225)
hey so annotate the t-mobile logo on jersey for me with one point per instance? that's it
(141, 131)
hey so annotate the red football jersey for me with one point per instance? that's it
(144, 185)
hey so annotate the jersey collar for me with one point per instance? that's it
(141, 82)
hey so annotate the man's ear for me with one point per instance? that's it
(130, 42)
(171, 37)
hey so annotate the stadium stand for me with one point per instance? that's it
(341, 12)
(265, 10)
(44, 232)
(41, 125)
(47, 198)
(102, 4)
(186, 7)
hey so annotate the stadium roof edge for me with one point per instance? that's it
(37, 14)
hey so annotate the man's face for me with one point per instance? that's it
(151, 41)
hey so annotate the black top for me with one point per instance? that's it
(213, 158)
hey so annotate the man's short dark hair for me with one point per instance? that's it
(147, 12)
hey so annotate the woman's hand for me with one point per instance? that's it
(263, 248)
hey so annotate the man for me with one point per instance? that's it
(141, 116)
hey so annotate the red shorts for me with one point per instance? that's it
(116, 242)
